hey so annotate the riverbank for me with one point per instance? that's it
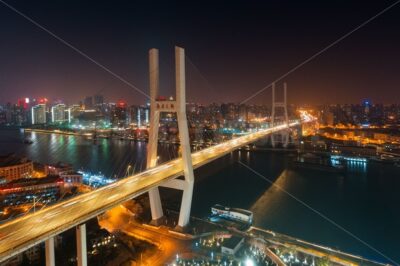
(364, 200)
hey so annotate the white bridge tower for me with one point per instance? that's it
(179, 107)
(284, 134)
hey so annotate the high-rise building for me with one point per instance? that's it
(366, 105)
(142, 116)
(39, 114)
(18, 115)
(98, 99)
(58, 113)
(120, 114)
(139, 115)
(74, 112)
(24, 103)
(3, 116)
(88, 102)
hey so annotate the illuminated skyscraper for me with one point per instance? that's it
(120, 114)
(142, 116)
(366, 106)
(58, 113)
(39, 114)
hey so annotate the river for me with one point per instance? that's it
(330, 209)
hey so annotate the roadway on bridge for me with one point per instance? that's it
(31, 229)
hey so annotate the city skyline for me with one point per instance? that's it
(232, 50)
(206, 133)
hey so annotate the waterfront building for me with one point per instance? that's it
(58, 168)
(39, 114)
(12, 167)
(352, 150)
(26, 190)
(72, 178)
(119, 117)
(58, 113)
(66, 172)
(74, 111)
(139, 115)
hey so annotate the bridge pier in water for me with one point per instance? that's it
(177, 106)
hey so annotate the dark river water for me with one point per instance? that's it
(363, 203)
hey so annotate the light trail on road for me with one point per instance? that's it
(29, 230)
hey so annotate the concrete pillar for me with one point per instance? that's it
(272, 123)
(273, 105)
(179, 106)
(154, 194)
(284, 135)
(154, 74)
(49, 250)
(186, 204)
(285, 103)
(81, 245)
(184, 215)
(286, 132)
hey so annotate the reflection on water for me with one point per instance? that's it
(365, 200)
(266, 204)
(110, 157)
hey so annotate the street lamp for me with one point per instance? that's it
(249, 262)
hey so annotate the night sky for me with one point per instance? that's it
(233, 48)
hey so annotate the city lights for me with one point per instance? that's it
(215, 134)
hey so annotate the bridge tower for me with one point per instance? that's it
(284, 135)
(179, 107)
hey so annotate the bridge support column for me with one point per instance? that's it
(275, 105)
(154, 194)
(81, 245)
(186, 204)
(49, 250)
(155, 206)
(179, 107)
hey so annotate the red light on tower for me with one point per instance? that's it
(161, 98)
(43, 100)
(23, 102)
(121, 104)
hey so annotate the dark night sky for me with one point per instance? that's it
(237, 48)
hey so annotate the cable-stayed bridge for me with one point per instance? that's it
(25, 232)
(31, 229)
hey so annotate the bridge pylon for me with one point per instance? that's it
(276, 105)
(179, 107)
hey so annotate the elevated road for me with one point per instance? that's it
(31, 229)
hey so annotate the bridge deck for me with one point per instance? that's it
(31, 229)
